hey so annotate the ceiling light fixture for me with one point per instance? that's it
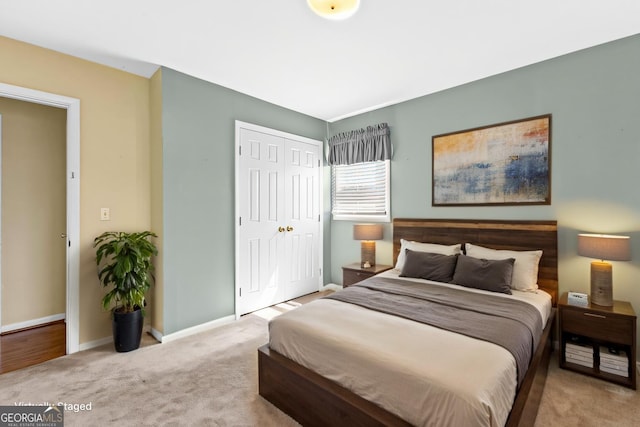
(334, 9)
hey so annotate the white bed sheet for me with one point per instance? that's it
(425, 375)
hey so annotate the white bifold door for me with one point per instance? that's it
(278, 230)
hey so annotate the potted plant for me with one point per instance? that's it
(124, 266)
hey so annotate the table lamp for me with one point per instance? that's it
(603, 247)
(368, 234)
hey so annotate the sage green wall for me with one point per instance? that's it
(198, 155)
(594, 97)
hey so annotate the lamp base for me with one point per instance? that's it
(367, 253)
(601, 287)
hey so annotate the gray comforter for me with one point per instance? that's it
(512, 324)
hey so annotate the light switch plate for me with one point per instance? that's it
(105, 214)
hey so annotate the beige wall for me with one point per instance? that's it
(114, 152)
(155, 104)
(33, 211)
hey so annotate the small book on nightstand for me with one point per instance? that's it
(579, 360)
(614, 361)
(579, 349)
(579, 353)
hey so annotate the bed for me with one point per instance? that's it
(380, 387)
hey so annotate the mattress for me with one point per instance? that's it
(425, 375)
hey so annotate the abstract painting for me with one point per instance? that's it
(503, 164)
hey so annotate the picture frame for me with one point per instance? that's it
(506, 163)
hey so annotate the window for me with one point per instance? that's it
(359, 162)
(360, 191)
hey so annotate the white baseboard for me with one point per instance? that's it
(166, 338)
(156, 334)
(330, 287)
(33, 322)
(192, 330)
(97, 343)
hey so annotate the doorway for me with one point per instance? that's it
(72, 178)
(33, 201)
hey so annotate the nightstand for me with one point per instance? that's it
(587, 334)
(353, 273)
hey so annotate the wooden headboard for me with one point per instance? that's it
(496, 234)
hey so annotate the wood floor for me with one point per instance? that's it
(27, 347)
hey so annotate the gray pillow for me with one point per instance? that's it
(430, 266)
(489, 275)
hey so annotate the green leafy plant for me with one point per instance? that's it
(124, 264)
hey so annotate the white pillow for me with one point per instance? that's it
(425, 247)
(525, 269)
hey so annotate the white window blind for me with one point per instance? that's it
(360, 191)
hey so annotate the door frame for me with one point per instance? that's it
(245, 125)
(72, 105)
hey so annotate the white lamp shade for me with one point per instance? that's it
(334, 9)
(604, 247)
(367, 232)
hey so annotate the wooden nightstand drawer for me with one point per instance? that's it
(353, 273)
(349, 277)
(598, 326)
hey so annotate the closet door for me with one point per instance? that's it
(302, 216)
(278, 251)
(261, 222)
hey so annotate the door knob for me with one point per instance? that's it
(63, 235)
(280, 229)
(289, 228)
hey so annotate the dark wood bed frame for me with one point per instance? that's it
(313, 400)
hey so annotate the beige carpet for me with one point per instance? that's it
(572, 399)
(210, 379)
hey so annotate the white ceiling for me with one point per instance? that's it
(279, 51)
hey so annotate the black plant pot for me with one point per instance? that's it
(127, 330)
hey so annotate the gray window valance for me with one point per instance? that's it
(358, 146)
